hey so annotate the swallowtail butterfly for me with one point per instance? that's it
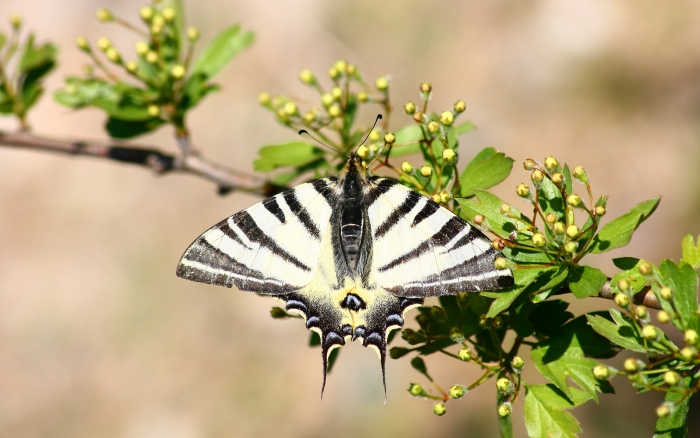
(350, 254)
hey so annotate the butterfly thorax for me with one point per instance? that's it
(353, 225)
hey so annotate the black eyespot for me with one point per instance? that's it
(353, 302)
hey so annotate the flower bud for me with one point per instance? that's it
(389, 138)
(291, 109)
(168, 14)
(334, 110)
(573, 200)
(623, 284)
(178, 71)
(671, 378)
(551, 163)
(282, 116)
(504, 385)
(131, 66)
(529, 164)
(557, 178)
(663, 411)
(459, 106)
(537, 176)
(572, 231)
(457, 391)
(690, 337)
(687, 353)
(580, 174)
(409, 108)
(571, 247)
(663, 317)
(645, 268)
(600, 210)
(418, 116)
(425, 87)
(340, 65)
(192, 34)
(538, 239)
(522, 190)
(504, 409)
(15, 21)
(641, 311)
(141, 48)
(104, 15)
(436, 198)
(362, 96)
(550, 218)
(601, 372)
(146, 13)
(649, 332)
(621, 300)
(479, 219)
(326, 99)
(631, 365)
(666, 293)
(151, 57)
(310, 116)
(104, 43)
(456, 334)
(406, 167)
(381, 84)
(82, 44)
(504, 209)
(517, 364)
(433, 126)
(113, 55)
(447, 118)
(498, 244)
(264, 98)
(337, 93)
(559, 227)
(449, 155)
(500, 263)
(445, 196)
(416, 390)
(307, 76)
(439, 409)
(363, 152)
(351, 70)
(153, 110)
(465, 354)
(426, 171)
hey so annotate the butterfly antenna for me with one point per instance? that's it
(304, 131)
(379, 116)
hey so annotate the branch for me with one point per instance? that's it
(645, 297)
(160, 162)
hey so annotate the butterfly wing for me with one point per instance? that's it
(270, 248)
(422, 249)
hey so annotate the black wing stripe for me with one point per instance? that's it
(230, 233)
(322, 187)
(379, 189)
(430, 208)
(273, 207)
(472, 235)
(448, 231)
(300, 211)
(253, 232)
(398, 213)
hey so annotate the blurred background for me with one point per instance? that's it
(98, 337)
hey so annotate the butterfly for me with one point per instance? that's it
(351, 254)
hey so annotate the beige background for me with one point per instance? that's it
(99, 338)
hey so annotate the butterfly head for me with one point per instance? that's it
(353, 176)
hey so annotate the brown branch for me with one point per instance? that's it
(645, 297)
(160, 162)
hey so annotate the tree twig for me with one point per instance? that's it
(158, 161)
(645, 297)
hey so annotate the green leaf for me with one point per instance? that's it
(332, 358)
(625, 263)
(314, 340)
(547, 283)
(489, 206)
(3, 40)
(34, 64)
(219, 52)
(523, 278)
(683, 281)
(691, 251)
(676, 424)
(397, 352)
(622, 332)
(6, 104)
(295, 153)
(118, 128)
(548, 318)
(550, 198)
(457, 130)
(544, 411)
(568, 186)
(407, 134)
(485, 170)
(195, 89)
(618, 232)
(419, 364)
(586, 281)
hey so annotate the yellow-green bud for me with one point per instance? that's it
(433, 126)
(192, 34)
(483, 319)
(151, 57)
(623, 284)
(504, 385)
(449, 155)
(363, 152)
(418, 116)
(141, 48)
(645, 268)
(573, 200)
(337, 93)
(310, 116)
(551, 163)
(153, 110)
(156, 29)
(500, 263)
(104, 43)
(550, 218)
(375, 135)
(457, 391)
(621, 300)
(168, 14)
(687, 353)
(158, 21)
(504, 409)
(15, 20)
(282, 116)
(522, 190)
(362, 96)
(82, 44)
(439, 409)
(131, 66)
(663, 411)
(264, 98)
(538, 239)
(649, 332)
(529, 164)
(663, 317)
(291, 108)
(631, 365)
(445, 196)
(389, 138)
(351, 70)
(497, 321)
(447, 118)
(479, 219)
(671, 378)
(690, 337)
(327, 99)
(580, 174)
(504, 209)
(426, 171)
(381, 84)
(537, 175)
(340, 65)
(571, 247)
(666, 293)
(641, 311)
(178, 71)
(459, 106)
(373, 148)
(465, 354)
(334, 110)
(146, 13)
(425, 87)
(600, 210)
(557, 178)
(113, 55)
(601, 372)
(104, 15)
(559, 227)
(333, 73)
(406, 167)
(456, 334)
(409, 108)
(416, 390)
(517, 363)
(572, 231)
(307, 77)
